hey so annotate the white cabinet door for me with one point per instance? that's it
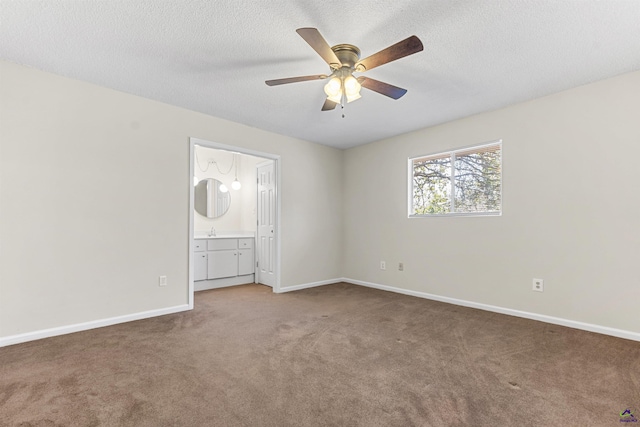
(200, 266)
(222, 264)
(245, 262)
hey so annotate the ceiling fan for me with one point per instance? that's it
(344, 60)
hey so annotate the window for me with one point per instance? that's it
(461, 182)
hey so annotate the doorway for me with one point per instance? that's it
(267, 269)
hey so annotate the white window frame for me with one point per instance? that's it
(452, 154)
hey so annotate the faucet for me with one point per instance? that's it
(212, 232)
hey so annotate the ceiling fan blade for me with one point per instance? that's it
(320, 45)
(383, 88)
(399, 50)
(328, 105)
(277, 82)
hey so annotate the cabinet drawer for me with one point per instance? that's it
(245, 243)
(199, 245)
(220, 244)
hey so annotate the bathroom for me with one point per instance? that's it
(225, 218)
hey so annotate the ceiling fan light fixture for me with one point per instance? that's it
(351, 85)
(333, 88)
(337, 87)
(353, 97)
(352, 88)
(337, 99)
(344, 60)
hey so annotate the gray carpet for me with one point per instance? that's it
(337, 355)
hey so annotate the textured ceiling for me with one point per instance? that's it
(213, 56)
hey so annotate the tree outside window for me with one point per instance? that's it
(467, 181)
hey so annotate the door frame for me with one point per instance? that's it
(217, 146)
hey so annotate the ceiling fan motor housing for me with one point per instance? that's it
(348, 54)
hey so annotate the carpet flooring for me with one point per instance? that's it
(336, 355)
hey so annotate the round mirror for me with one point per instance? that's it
(209, 198)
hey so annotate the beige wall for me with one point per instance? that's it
(570, 210)
(94, 193)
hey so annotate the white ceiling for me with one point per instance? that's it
(213, 56)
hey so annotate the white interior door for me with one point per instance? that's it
(266, 250)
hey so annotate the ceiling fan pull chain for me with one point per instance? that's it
(343, 99)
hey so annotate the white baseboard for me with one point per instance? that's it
(205, 285)
(52, 332)
(307, 285)
(620, 333)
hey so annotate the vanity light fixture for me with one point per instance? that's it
(236, 184)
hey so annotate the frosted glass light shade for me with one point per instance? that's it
(351, 86)
(336, 99)
(353, 97)
(236, 185)
(223, 188)
(333, 88)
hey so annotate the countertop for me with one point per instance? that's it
(222, 235)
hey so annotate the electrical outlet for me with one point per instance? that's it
(401, 266)
(538, 285)
(162, 281)
(383, 265)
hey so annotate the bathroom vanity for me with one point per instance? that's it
(224, 260)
